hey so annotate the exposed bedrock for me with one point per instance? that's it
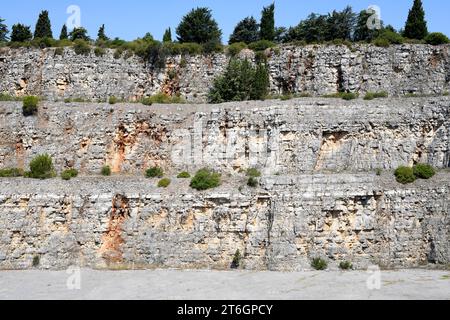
(110, 222)
(298, 136)
(320, 195)
(315, 69)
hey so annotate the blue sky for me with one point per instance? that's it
(133, 18)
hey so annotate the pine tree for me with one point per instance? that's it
(64, 35)
(416, 26)
(101, 34)
(3, 31)
(246, 31)
(167, 35)
(199, 26)
(79, 33)
(268, 23)
(21, 33)
(43, 26)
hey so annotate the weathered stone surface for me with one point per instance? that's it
(101, 222)
(297, 136)
(300, 211)
(316, 69)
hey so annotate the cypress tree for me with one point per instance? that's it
(268, 23)
(416, 26)
(64, 35)
(101, 34)
(43, 26)
(3, 31)
(167, 35)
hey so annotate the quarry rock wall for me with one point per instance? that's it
(284, 224)
(279, 137)
(313, 69)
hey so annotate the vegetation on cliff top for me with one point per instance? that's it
(198, 32)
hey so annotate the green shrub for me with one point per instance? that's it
(345, 265)
(112, 100)
(369, 96)
(59, 51)
(424, 171)
(405, 175)
(381, 42)
(436, 38)
(348, 96)
(155, 172)
(261, 45)
(106, 171)
(81, 47)
(319, 264)
(8, 97)
(41, 167)
(379, 172)
(30, 106)
(235, 48)
(164, 183)
(184, 175)
(236, 263)
(253, 172)
(252, 182)
(99, 52)
(205, 179)
(241, 81)
(11, 173)
(69, 174)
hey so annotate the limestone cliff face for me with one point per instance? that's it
(315, 69)
(297, 136)
(107, 222)
(319, 195)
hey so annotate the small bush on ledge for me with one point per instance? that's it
(30, 106)
(164, 183)
(405, 175)
(41, 167)
(236, 260)
(106, 171)
(69, 174)
(155, 172)
(424, 171)
(112, 100)
(436, 38)
(205, 179)
(319, 264)
(345, 265)
(11, 173)
(184, 175)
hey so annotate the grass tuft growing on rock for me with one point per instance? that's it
(106, 171)
(319, 264)
(164, 183)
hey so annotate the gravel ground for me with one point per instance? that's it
(223, 285)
